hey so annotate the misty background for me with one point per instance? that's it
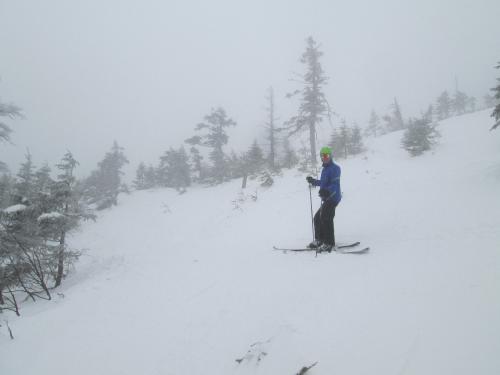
(145, 73)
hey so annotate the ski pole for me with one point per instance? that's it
(312, 217)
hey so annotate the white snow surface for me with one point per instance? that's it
(187, 284)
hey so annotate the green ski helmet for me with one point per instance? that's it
(325, 151)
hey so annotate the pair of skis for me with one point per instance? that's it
(351, 248)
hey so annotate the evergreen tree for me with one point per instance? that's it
(150, 179)
(336, 144)
(140, 177)
(394, 121)
(471, 104)
(443, 106)
(419, 137)
(343, 141)
(7, 110)
(398, 117)
(215, 138)
(429, 114)
(459, 102)
(10, 111)
(496, 112)
(313, 106)
(254, 159)
(65, 215)
(290, 158)
(356, 141)
(374, 127)
(25, 180)
(6, 190)
(174, 169)
(103, 185)
(197, 164)
(25, 259)
(236, 165)
(42, 180)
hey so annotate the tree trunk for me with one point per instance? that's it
(60, 260)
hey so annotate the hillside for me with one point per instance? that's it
(186, 284)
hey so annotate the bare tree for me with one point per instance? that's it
(272, 130)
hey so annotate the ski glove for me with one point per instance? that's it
(310, 179)
(324, 193)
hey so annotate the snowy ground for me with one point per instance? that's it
(186, 284)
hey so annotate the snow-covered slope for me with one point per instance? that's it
(188, 284)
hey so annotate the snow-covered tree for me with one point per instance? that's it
(42, 180)
(420, 136)
(215, 138)
(394, 121)
(459, 102)
(65, 215)
(25, 179)
(340, 141)
(150, 178)
(196, 162)
(254, 159)
(471, 104)
(174, 170)
(496, 112)
(429, 114)
(356, 141)
(7, 110)
(104, 184)
(374, 128)
(140, 177)
(290, 158)
(313, 103)
(6, 190)
(443, 106)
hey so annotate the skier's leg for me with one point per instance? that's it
(317, 226)
(327, 223)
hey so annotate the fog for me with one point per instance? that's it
(144, 73)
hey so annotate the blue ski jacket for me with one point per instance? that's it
(330, 180)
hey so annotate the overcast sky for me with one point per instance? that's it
(145, 73)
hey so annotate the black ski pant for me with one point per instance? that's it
(323, 223)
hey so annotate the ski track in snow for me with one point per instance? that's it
(187, 284)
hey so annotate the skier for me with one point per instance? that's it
(330, 197)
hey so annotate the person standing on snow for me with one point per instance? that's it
(329, 191)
